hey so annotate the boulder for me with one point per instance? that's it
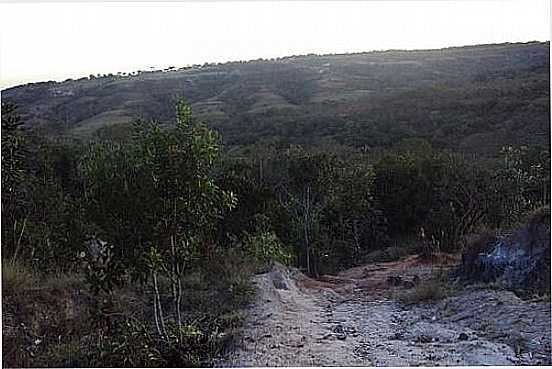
(519, 260)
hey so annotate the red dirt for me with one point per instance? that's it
(373, 278)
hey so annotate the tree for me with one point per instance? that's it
(352, 221)
(435, 194)
(155, 201)
(401, 191)
(305, 194)
(14, 217)
(520, 183)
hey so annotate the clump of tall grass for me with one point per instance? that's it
(437, 287)
(17, 278)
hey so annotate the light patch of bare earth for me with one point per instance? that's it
(353, 320)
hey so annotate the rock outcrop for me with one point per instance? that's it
(519, 260)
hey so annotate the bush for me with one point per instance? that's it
(437, 195)
(50, 320)
(263, 246)
(230, 280)
(423, 292)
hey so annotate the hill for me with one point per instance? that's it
(472, 99)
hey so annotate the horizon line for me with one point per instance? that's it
(278, 58)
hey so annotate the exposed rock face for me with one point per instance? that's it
(519, 260)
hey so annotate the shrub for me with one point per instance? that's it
(230, 278)
(439, 195)
(64, 355)
(435, 288)
(264, 246)
(425, 291)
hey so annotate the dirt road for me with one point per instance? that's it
(352, 320)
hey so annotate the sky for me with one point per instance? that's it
(56, 41)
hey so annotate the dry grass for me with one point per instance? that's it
(431, 290)
(436, 288)
(51, 320)
(16, 278)
(540, 215)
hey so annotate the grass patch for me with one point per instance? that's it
(436, 288)
(16, 278)
(401, 247)
(52, 320)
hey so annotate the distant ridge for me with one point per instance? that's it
(472, 98)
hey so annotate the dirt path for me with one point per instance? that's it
(346, 320)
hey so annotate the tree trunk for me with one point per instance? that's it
(155, 313)
(176, 287)
(18, 245)
(306, 215)
(159, 308)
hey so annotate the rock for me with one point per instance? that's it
(278, 276)
(423, 338)
(279, 284)
(350, 330)
(463, 337)
(339, 329)
(394, 280)
(518, 260)
(396, 336)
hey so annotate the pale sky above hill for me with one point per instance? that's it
(55, 41)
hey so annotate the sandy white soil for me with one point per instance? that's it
(353, 320)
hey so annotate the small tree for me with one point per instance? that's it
(309, 178)
(155, 201)
(352, 221)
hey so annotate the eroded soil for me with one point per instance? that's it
(352, 319)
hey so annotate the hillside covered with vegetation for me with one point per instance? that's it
(131, 227)
(473, 99)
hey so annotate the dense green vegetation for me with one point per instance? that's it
(150, 231)
(163, 212)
